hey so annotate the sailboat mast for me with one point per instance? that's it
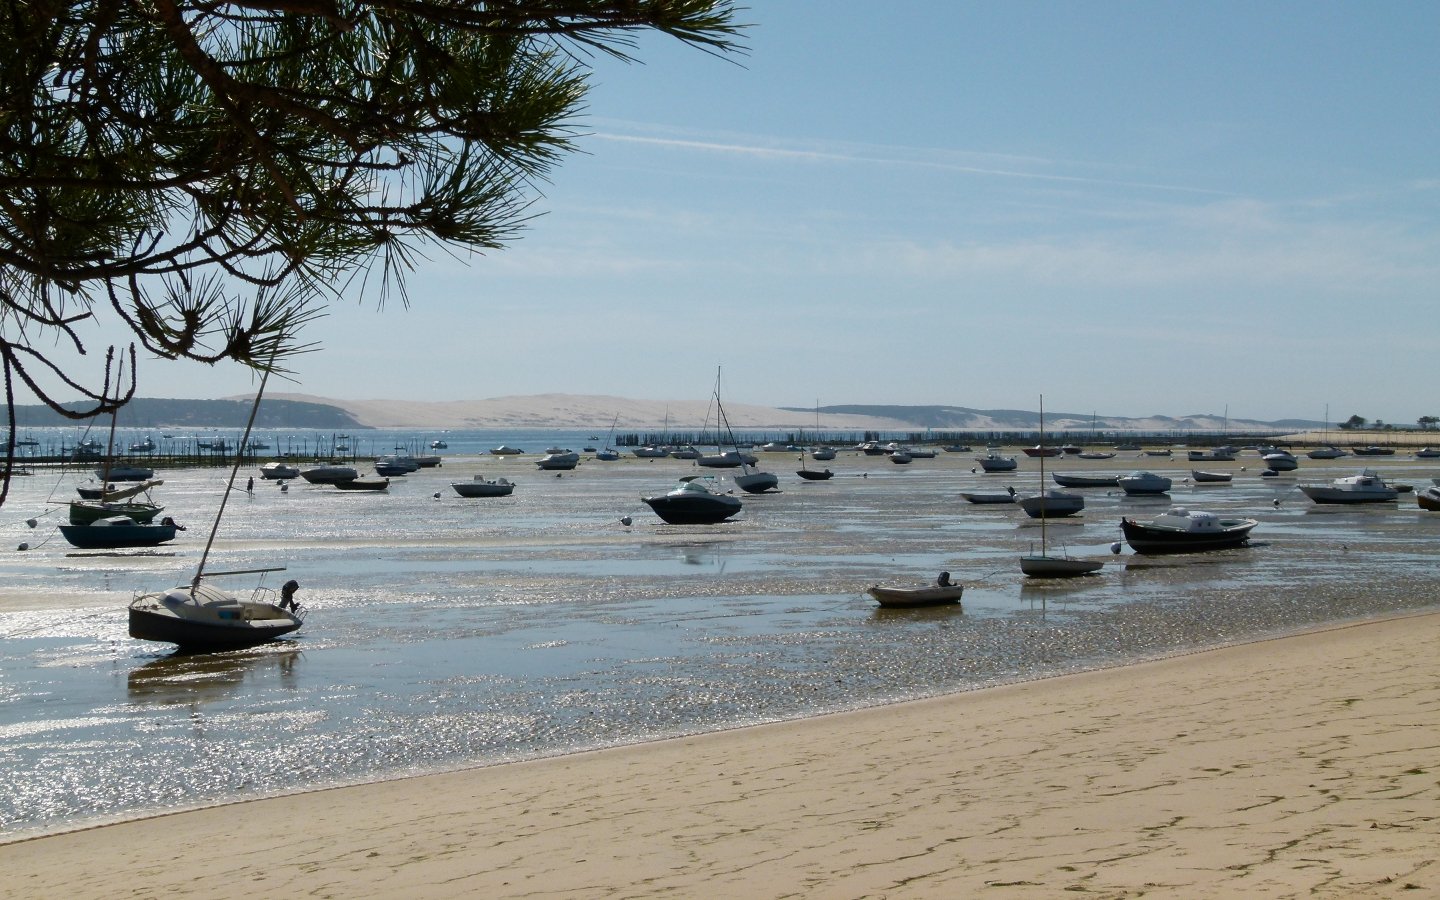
(1043, 516)
(230, 482)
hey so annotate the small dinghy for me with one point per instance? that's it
(909, 597)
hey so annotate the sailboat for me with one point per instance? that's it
(1044, 565)
(1329, 451)
(751, 481)
(110, 502)
(609, 454)
(201, 617)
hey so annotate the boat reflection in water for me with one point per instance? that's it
(204, 677)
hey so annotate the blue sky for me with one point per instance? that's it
(1130, 207)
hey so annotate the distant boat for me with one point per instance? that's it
(363, 484)
(1096, 454)
(124, 473)
(329, 474)
(814, 475)
(1216, 454)
(983, 497)
(1278, 460)
(1143, 483)
(1326, 453)
(506, 450)
(1427, 453)
(1209, 477)
(480, 487)
(279, 471)
(1039, 451)
(559, 460)
(1366, 487)
(438, 445)
(1073, 479)
(1372, 450)
(994, 462)
(1051, 503)
(650, 451)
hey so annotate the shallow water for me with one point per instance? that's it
(446, 632)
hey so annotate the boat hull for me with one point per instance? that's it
(1150, 539)
(812, 475)
(364, 484)
(909, 598)
(1052, 506)
(1429, 499)
(1057, 566)
(1069, 480)
(117, 537)
(757, 482)
(988, 498)
(691, 510)
(1210, 477)
(1337, 496)
(482, 488)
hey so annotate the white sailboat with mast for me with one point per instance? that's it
(201, 617)
(1043, 565)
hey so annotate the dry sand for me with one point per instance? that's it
(1303, 766)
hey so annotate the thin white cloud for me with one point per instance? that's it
(894, 158)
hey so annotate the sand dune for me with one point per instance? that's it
(583, 411)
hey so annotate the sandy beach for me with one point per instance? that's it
(1300, 766)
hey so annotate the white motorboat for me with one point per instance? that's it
(558, 460)
(279, 471)
(1143, 483)
(1427, 453)
(692, 502)
(994, 462)
(1278, 460)
(822, 454)
(650, 451)
(1366, 487)
(480, 486)
(1326, 453)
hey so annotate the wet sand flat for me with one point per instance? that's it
(1303, 765)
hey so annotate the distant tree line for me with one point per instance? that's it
(1360, 423)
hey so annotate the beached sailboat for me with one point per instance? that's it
(1042, 564)
(111, 503)
(751, 481)
(203, 617)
